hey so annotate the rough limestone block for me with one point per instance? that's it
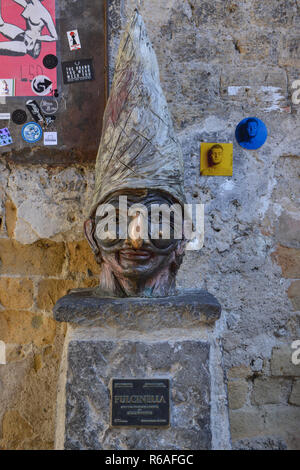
(295, 395)
(294, 294)
(281, 362)
(237, 394)
(266, 391)
(94, 361)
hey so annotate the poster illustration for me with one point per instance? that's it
(27, 34)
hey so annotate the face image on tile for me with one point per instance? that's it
(251, 133)
(216, 159)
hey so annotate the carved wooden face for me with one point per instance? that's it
(129, 240)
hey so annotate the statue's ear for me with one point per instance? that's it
(89, 229)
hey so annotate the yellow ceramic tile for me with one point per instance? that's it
(216, 159)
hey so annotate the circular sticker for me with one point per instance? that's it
(251, 133)
(50, 61)
(41, 85)
(32, 132)
(19, 116)
(49, 105)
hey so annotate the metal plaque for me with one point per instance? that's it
(140, 402)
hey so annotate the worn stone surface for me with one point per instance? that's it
(265, 421)
(51, 290)
(183, 310)
(281, 362)
(266, 391)
(44, 257)
(289, 261)
(23, 327)
(28, 384)
(262, 443)
(81, 258)
(239, 372)
(294, 294)
(295, 395)
(48, 203)
(93, 362)
(237, 393)
(16, 293)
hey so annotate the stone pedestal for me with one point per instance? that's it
(166, 338)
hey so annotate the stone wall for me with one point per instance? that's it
(42, 256)
(220, 62)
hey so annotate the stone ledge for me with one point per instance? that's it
(188, 309)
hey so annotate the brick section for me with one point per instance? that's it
(266, 391)
(294, 294)
(237, 394)
(240, 372)
(82, 258)
(246, 423)
(288, 231)
(270, 420)
(15, 428)
(22, 327)
(289, 261)
(44, 257)
(290, 48)
(295, 395)
(16, 293)
(281, 362)
(50, 290)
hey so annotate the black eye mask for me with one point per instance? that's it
(158, 245)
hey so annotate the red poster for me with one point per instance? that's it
(27, 34)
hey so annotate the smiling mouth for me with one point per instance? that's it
(135, 255)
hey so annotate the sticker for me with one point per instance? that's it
(7, 85)
(27, 33)
(5, 116)
(49, 120)
(50, 61)
(35, 111)
(41, 85)
(216, 159)
(32, 132)
(5, 137)
(50, 138)
(78, 71)
(49, 105)
(251, 133)
(74, 41)
(19, 116)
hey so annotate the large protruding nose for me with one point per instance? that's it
(138, 231)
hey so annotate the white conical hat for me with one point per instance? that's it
(138, 147)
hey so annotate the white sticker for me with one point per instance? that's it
(5, 116)
(50, 138)
(74, 41)
(41, 85)
(7, 87)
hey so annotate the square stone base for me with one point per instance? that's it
(93, 362)
(169, 338)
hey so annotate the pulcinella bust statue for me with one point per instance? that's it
(139, 162)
